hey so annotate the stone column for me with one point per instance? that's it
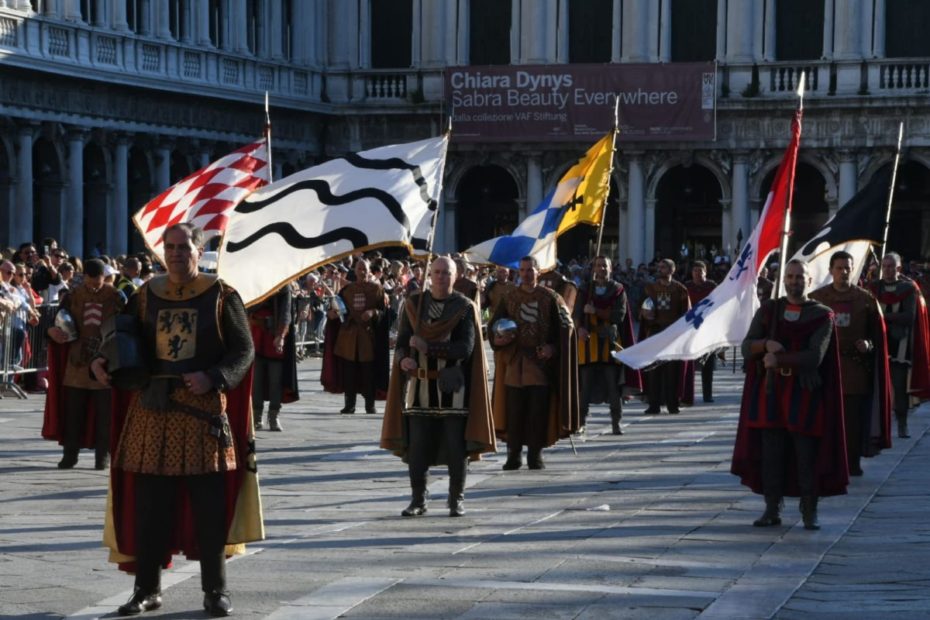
(119, 222)
(343, 29)
(162, 17)
(740, 32)
(721, 30)
(433, 34)
(848, 29)
(616, 31)
(769, 52)
(162, 167)
(363, 59)
(848, 176)
(144, 18)
(73, 220)
(534, 181)
(828, 27)
(649, 243)
(562, 33)
(636, 208)
(202, 10)
(740, 198)
(118, 17)
(878, 45)
(238, 26)
(21, 216)
(635, 39)
(276, 31)
(186, 35)
(665, 31)
(73, 10)
(100, 8)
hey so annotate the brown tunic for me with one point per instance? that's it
(856, 314)
(88, 309)
(536, 315)
(670, 303)
(355, 341)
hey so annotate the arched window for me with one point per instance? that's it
(799, 29)
(590, 30)
(391, 34)
(486, 205)
(906, 28)
(694, 30)
(489, 32)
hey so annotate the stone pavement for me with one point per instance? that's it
(647, 525)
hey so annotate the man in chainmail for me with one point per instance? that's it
(438, 410)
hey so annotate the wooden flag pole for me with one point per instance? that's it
(786, 226)
(894, 176)
(268, 140)
(610, 173)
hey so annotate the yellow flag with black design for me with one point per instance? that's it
(593, 170)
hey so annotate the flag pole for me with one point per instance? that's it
(786, 226)
(894, 176)
(610, 173)
(268, 140)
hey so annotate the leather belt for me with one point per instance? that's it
(424, 374)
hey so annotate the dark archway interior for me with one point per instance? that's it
(909, 229)
(47, 186)
(486, 205)
(96, 213)
(140, 191)
(809, 206)
(688, 213)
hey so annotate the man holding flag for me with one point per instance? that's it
(790, 435)
(666, 301)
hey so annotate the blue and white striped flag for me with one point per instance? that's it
(580, 192)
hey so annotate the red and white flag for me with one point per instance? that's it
(206, 197)
(722, 318)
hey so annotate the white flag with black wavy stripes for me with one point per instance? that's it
(387, 196)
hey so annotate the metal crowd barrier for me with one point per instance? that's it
(24, 347)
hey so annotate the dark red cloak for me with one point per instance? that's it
(817, 413)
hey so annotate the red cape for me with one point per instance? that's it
(53, 423)
(831, 470)
(919, 385)
(121, 507)
(878, 435)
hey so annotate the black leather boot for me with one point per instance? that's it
(902, 426)
(808, 507)
(274, 424)
(615, 417)
(772, 514)
(217, 603)
(534, 459)
(417, 505)
(349, 403)
(457, 497)
(69, 459)
(514, 458)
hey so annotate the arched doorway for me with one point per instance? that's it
(909, 229)
(809, 211)
(140, 191)
(96, 196)
(688, 213)
(486, 205)
(47, 187)
(581, 241)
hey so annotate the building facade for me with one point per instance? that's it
(104, 103)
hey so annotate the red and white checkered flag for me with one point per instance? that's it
(206, 197)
